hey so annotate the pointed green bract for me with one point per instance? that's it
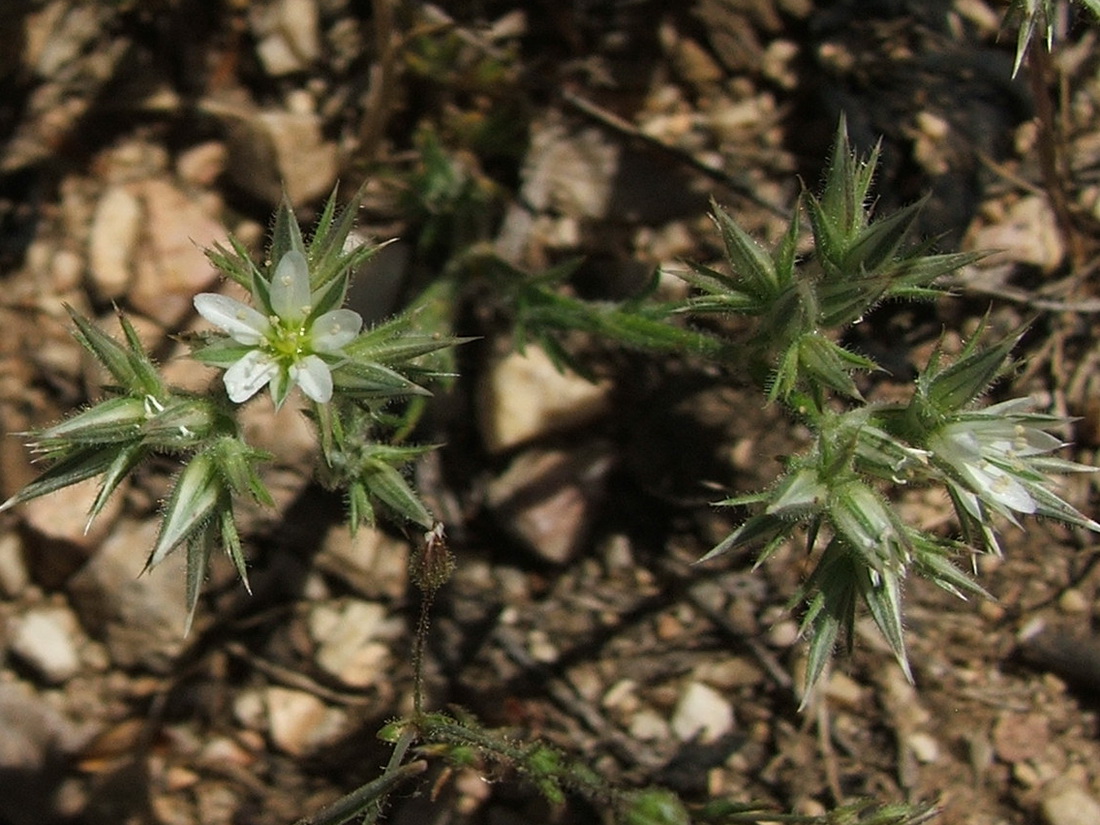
(194, 500)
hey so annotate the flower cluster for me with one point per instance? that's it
(291, 346)
(295, 333)
(995, 462)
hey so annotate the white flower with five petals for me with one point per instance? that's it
(288, 348)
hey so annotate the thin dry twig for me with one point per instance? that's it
(612, 121)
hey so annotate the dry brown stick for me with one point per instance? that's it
(612, 121)
(291, 678)
(566, 696)
(1051, 148)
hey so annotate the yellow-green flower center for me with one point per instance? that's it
(288, 342)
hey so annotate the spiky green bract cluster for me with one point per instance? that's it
(350, 379)
(463, 742)
(993, 462)
(295, 333)
(800, 307)
(1039, 18)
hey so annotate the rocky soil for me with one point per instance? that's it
(135, 133)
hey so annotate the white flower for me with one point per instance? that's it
(988, 455)
(288, 348)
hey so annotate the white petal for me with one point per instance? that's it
(313, 376)
(243, 323)
(335, 329)
(991, 481)
(246, 377)
(290, 287)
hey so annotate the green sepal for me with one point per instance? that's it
(182, 423)
(830, 611)
(370, 380)
(195, 497)
(360, 509)
(798, 495)
(111, 421)
(930, 560)
(880, 590)
(131, 368)
(219, 351)
(392, 347)
(868, 525)
(958, 384)
(231, 538)
(752, 266)
(280, 388)
(199, 548)
(330, 296)
(285, 236)
(756, 528)
(721, 294)
(880, 241)
(235, 463)
(236, 264)
(387, 485)
(147, 375)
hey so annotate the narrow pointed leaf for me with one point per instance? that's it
(72, 469)
(387, 485)
(752, 265)
(109, 352)
(232, 541)
(960, 383)
(880, 241)
(883, 598)
(125, 461)
(194, 499)
(286, 235)
(198, 560)
(146, 373)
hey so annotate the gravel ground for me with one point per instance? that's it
(133, 134)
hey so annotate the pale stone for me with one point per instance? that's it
(569, 172)
(277, 151)
(729, 673)
(289, 35)
(14, 576)
(372, 562)
(141, 615)
(1073, 602)
(45, 639)
(925, 747)
(547, 499)
(783, 634)
(34, 743)
(202, 164)
(1067, 803)
(116, 229)
(843, 690)
(348, 641)
(299, 722)
(648, 726)
(62, 516)
(524, 396)
(172, 267)
(702, 713)
(1027, 234)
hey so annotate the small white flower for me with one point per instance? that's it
(984, 451)
(287, 347)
